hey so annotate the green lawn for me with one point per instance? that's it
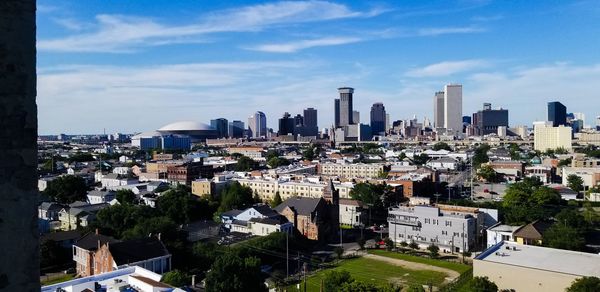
(368, 270)
(461, 268)
(60, 279)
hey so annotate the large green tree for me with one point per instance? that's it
(235, 196)
(125, 196)
(441, 146)
(528, 200)
(67, 189)
(333, 279)
(585, 284)
(245, 163)
(480, 156)
(481, 284)
(231, 273)
(176, 278)
(575, 182)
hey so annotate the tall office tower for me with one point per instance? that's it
(467, 120)
(286, 125)
(236, 129)
(557, 114)
(257, 124)
(488, 120)
(355, 117)
(221, 126)
(311, 122)
(598, 123)
(387, 123)
(438, 110)
(346, 106)
(580, 116)
(378, 118)
(336, 106)
(453, 107)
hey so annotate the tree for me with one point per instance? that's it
(585, 284)
(276, 200)
(480, 155)
(334, 279)
(434, 250)
(176, 278)
(67, 189)
(360, 286)
(175, 204)
(231, 273)
(575, 182)
(236, 196)
(309, 153)
(564, 237)
(403, 243)
(277, 162)
(271, 154)
(441, 146)
(420, 159)
(245, 163)
(482, 284)
(361, 243)
(389, 244)
(488, 173)
(52, 254)
(413, 245)
(415, 288)
(125, 196)
(339, 251)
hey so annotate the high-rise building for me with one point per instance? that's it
(221, 126)
(579, 116)
(488, 120)
(557, 114)
(355, 117)
(345, 107)
(438, 110)
(453, 107)
(387, 122)
(286, 125)
(547, 137)
(598, 123)
(257, 124)
(336, 106)
(236, 129)
(311, 122)
(378, 117)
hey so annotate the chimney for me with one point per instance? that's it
(98, 244)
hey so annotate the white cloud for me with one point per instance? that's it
(295, 46)
(436, 31)
(448, 68)
(120, 33)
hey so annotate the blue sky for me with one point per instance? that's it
(131, 66)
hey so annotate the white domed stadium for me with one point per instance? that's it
(196, 130)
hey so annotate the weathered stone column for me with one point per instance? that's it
(19, 255)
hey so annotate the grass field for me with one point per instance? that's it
(461, 268)
(378, 272)
(60, 279)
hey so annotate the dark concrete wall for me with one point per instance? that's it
(19, 256)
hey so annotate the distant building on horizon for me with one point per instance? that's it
(286, 125)
(345, 108)
(557, 114)
(453, 107)
(220, 125)
(236, 129)
(257, 124)
(438, 110)
(547, 137)
(488, 120)
(378, 118)
(311, 124)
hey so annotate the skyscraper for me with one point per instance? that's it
(598, 123)
(236, 129)
(355, 117)
(286, 125)
(438, 110)
(557, 114)
(311, 122)
(346, 106)
(453, 107)
(488, 120)
(257, 124)
(378, 117)
(221, 126)
(336, 106)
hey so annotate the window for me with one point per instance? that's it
(444, 232)
(427, 221)
(448, 223)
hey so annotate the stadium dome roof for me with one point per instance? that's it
(186, 126)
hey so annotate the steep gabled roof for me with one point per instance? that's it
(302, 205)
(534, 230)
(90, 241)
(137, 250)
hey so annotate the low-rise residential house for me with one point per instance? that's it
(541, 172)
(115, 180)
(78, 214)
(255, 153)
(156, 186)
(122, 170)
(451, 230)
(48, 219)
(100, 196)
(83, 252)
(44, 181)
(532, 233)
(310, 216)
(444, 163)
(510, 169)
(590, 175)
(259, 220)
(149, 199)
(499, 233)
(149, 253)
(266, 226)
(351, 212)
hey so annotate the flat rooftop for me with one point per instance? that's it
(543, 258)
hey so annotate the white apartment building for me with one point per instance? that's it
(252, 152)
(353, 170)
(547, 137)
(266, 188)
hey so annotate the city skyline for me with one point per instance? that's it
(179, 61)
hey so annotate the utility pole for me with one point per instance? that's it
(287, 255)
(304, 277)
